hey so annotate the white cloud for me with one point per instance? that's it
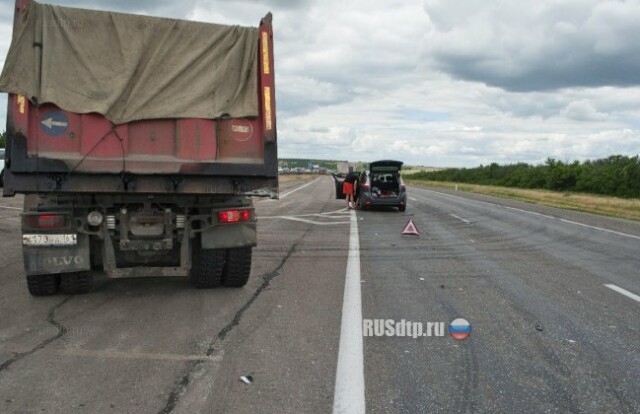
(582, 110)
(544, 45)
(440, 82)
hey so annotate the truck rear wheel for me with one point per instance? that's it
(75, 283)
(43, 285)
(237, 267)
(207, 266)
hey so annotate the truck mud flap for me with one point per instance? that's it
(40, 260)
(230, 235)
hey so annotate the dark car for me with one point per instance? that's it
(382, 185)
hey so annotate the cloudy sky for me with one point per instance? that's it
(437, 82)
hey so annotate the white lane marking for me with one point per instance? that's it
(348, 397)
(458, 197)
(575, 222)
(539, 215)
(296, 189)
(531, 212)
(460, 218)
(624, 292)
(341, 211)
(412, 199)
(329, 214)
(317, 223)
(11, 208)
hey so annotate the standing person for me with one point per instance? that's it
(349, 189)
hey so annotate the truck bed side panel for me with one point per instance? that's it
(53, 150)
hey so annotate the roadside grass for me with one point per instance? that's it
(590, 203)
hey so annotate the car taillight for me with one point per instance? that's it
(233, 216)
(365, 187)
(46, 221)
(403, 187)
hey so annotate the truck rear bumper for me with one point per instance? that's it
(135, 237)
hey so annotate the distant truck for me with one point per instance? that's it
(343, 168)
(138, 143)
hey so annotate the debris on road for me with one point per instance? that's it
(247, 379)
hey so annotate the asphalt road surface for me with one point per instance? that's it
(551, 297)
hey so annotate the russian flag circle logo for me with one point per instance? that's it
(460, 329)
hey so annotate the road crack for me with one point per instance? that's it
(267, 278)
(62, 330)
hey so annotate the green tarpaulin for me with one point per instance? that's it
(129, 67)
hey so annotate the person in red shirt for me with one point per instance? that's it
(349, 189)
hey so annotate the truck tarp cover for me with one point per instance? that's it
(129, 67)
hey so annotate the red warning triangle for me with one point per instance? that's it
(411, 229)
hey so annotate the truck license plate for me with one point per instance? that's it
(49, 240)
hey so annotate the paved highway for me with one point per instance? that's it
(549, 295)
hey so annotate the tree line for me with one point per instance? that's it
(617, 175)
(304, 163)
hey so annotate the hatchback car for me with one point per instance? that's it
(382, 185)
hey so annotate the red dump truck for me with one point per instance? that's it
(139, 143)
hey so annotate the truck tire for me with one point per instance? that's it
(207, 266)
(237, 267)
(75, 283)
(43, 285)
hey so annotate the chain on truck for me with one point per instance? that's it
(138, 157)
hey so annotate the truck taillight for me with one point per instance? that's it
(46, 221)
(403, 187)
(365, 187)
(233, 216)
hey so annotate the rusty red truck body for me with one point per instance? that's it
(169, 196)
